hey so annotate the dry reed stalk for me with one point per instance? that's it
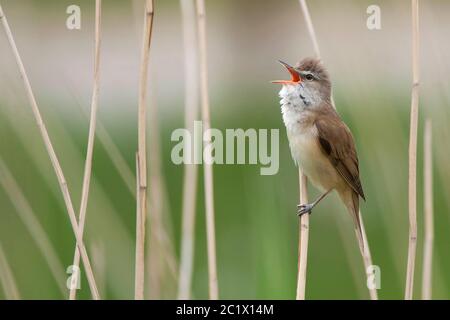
(428, 204)
(303, 240)
(140, 240)
(7, 279)
(207, 165)
(34, 227)
(142, 152)
(91, 137)
(304, 224)
(412, 183)
(367, 257)
(190, 170)
(53, 158)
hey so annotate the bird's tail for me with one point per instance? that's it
(353, 208)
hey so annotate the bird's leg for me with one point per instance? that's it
(307, 208)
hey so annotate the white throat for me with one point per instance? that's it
(296, 102)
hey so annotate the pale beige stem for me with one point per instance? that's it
(53, 158)
(207, 165)
(142, 152)
(140, 240)
(412, 181)
(429, 220)
(34, 227)
(367, 258)
(310, 27)
(366, 255)
(190, 170)
(91, 138)
(303, 240)
(7, 280)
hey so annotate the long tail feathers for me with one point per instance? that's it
(354, 211)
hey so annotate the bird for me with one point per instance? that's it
(321, 144)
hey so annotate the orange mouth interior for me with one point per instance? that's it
(295, 77)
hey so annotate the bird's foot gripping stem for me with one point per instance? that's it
(304, 208)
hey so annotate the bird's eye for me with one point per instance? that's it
(309, 77)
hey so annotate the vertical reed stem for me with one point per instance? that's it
(303, 240)
(140, 240)
(366, 255)
(91, 137)
(429, 224)
(142, 153)
(413, 153)
(304, 219)
(190, 169)
(53, 158)
(207, 165)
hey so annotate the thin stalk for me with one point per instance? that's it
(34, 227)
(140, 240)
(7, 278)
(207, 165)
(142, 152)
(53, 158)
(429, 223)
(412, 183)
(303, 240)
(366, 255)
(190, 169)
(91, 138)
(310, 27)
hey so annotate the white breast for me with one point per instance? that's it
(303, 141)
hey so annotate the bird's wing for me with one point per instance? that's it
(336, 141)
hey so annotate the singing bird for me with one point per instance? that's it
(321, 143)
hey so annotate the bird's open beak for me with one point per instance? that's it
(295, 76)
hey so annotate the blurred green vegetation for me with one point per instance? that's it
(255, 215)
(256, 222)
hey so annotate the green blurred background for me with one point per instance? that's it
(256, 223)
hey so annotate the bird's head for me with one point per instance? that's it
(310, 80)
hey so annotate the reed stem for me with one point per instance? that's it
(142, 153)
(207, 165)
(412, 182)
(429, 223)
(91, 138)
(303, 240)
(190, 169)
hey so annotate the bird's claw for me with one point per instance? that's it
(304, 208)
